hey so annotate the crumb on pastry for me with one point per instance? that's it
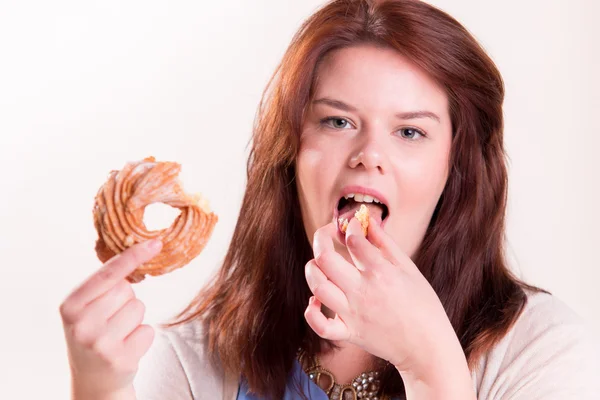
(362, 215)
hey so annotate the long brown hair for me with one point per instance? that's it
(252, 310)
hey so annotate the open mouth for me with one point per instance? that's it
(350, 203)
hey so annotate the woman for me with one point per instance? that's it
(390, 104)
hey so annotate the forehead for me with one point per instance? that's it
(374, 78)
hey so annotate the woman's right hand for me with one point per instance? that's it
(102, 320)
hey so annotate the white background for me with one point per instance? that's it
(87, 86)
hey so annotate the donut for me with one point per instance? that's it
(119, 212)
(362, 215)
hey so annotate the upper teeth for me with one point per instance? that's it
(362, 198)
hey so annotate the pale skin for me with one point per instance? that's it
(391, 134)
(375, 301)
(105, 337)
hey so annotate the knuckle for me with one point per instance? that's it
(361, 295)
(352, 240)
(365, 318)
(124, 290)
(137, 304)
(317, 234)
(318, 291)
(131, 258)
(103, 348)
(140, 306)
(309, 272)
(323, 331)
(134, 255)
(145, 336)
(324, 257)
(308, 315)
(106, 273)
(110, 269)
(320, 258)
(136, 307)
(123, 366)
(308, 265)
(377, 274)
(67, 312)
(354, 312)
(320, 234)
(82, 334)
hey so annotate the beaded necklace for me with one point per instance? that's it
(365, 386)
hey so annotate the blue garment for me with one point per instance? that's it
(310, 389)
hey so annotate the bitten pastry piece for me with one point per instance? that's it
(362, 215)
(119, 213)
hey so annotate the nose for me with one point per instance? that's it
(369, 154)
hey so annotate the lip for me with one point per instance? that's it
(363, 190)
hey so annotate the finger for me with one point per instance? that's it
(123, 264)
(327, 328)
(139, 341)
(388, 247)
(338, 270)
(95, 315)
(335, 267)
(115, 270)
(105, 306)
(364, 255)
(325, 290)
(323, 239)
(126, 320)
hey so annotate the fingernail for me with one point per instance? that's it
(154, 244)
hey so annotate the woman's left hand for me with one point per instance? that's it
(382, 302)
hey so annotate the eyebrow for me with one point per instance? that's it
(402, 115)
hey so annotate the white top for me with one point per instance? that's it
(548, 354)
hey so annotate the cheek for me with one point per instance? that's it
(315, 162)
(423, 179)
(310, 183)
(428, 180)
(421, 182)
(309, 161)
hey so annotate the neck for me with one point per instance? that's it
(347, 361)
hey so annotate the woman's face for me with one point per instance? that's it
(376, 126)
